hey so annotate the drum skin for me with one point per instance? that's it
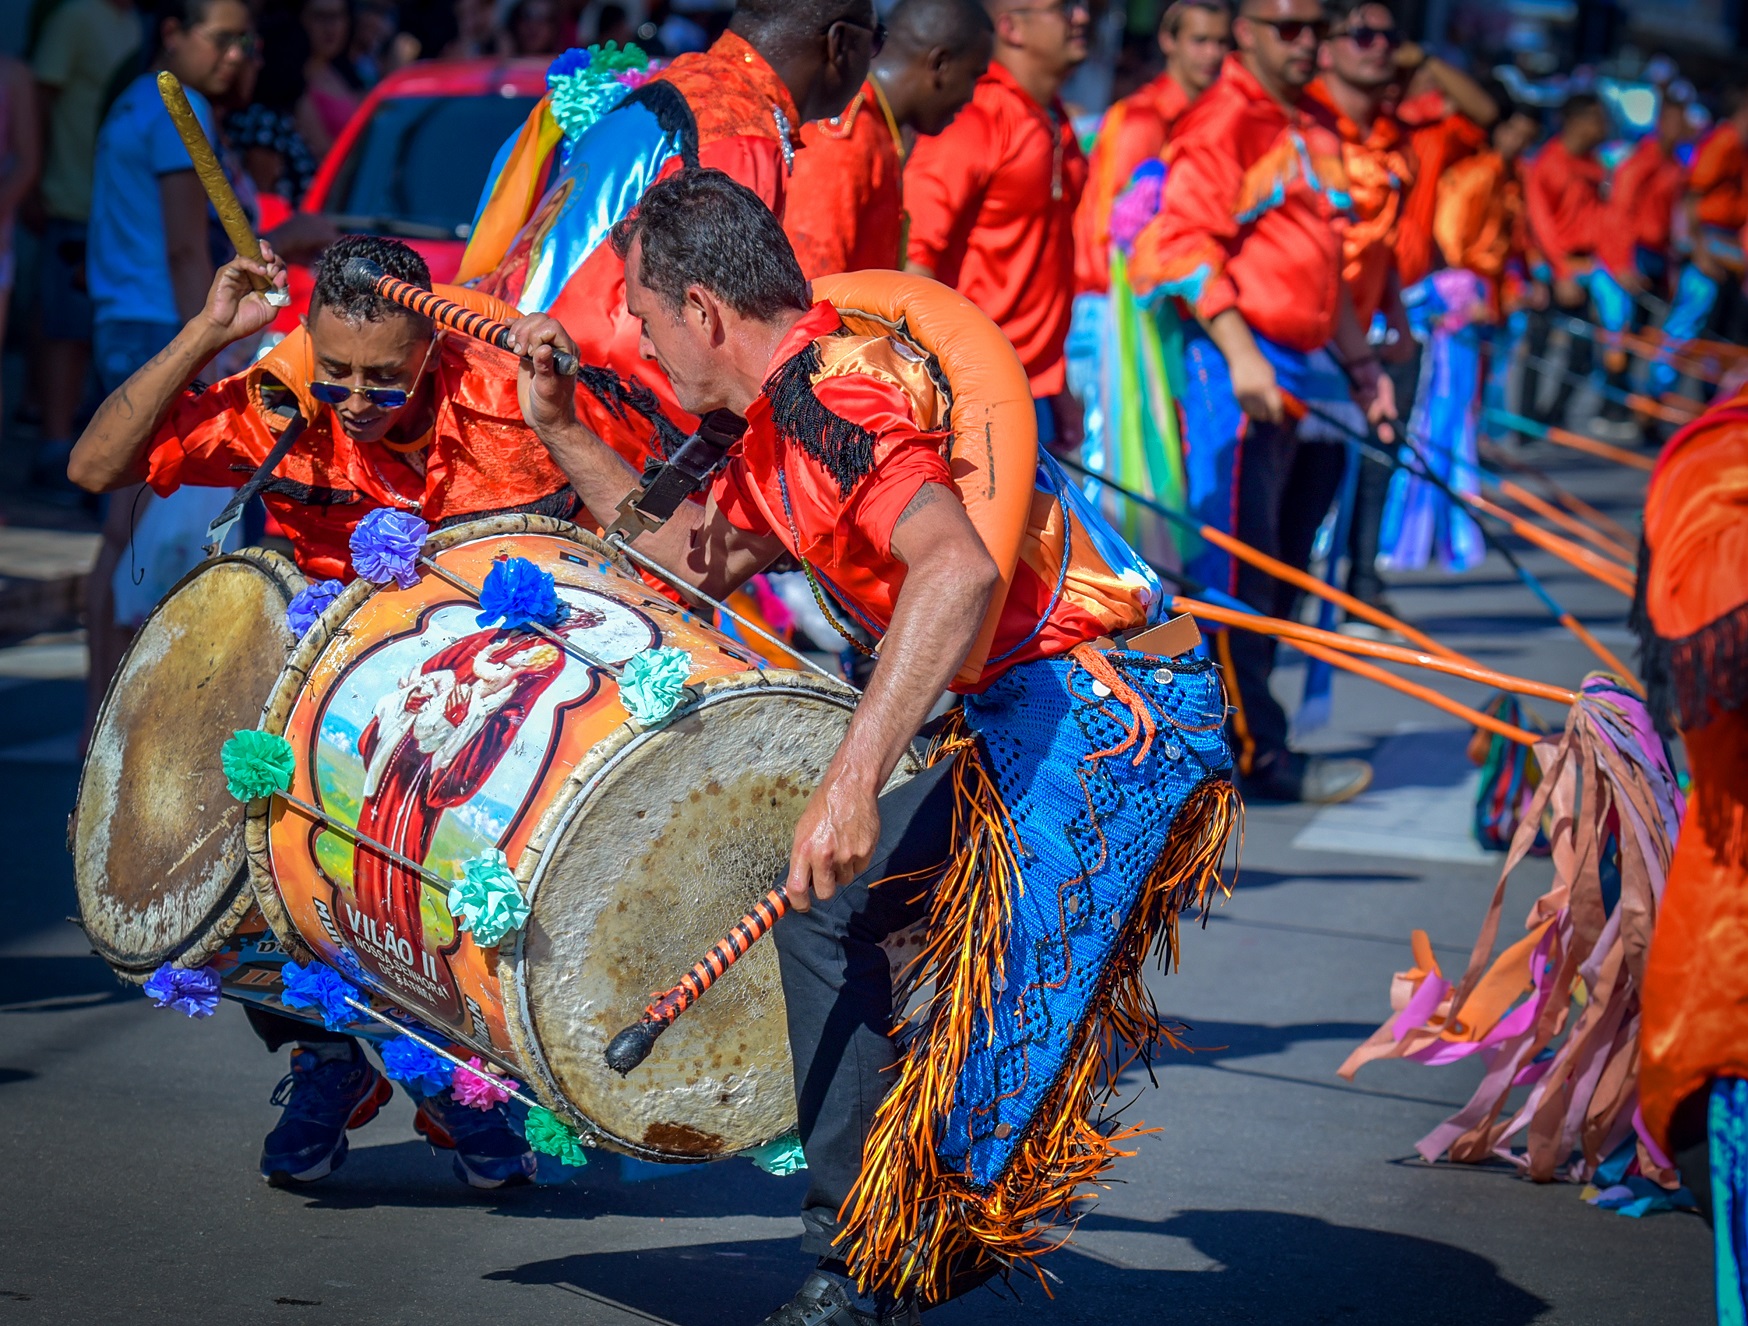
(636, 848)
(994, 455)
(157, 840)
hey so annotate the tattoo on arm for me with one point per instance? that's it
(927, 495)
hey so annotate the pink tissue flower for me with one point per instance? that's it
(480, 1088)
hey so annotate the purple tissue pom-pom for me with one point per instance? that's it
(407, 1061)
(311, 602)
(386, 546)
(190, 990)
(518, 592)
(319, 989)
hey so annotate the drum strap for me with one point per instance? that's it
(220, 529)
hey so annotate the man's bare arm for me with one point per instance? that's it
(109, 453)
(185, 240)
(948, 582)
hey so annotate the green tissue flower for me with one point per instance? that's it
(257, 764)
(552, 1136)
(486, 900)
(782, 1157)
(652, 683)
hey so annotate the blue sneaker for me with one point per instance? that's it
(322, 1099)
(489, 1153)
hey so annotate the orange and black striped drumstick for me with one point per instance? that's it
(363, 274)
(632, 1046)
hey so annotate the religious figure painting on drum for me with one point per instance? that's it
(433, 742)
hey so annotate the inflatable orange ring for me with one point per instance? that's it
(995, 425)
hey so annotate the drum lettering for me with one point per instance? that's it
(477, 1020)
(327, 920)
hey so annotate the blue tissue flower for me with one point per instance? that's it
(386, 546)
(419, 1069)
(190, 990)
(311, 602)
(319, 989)
(518, 592)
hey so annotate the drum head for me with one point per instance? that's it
(157, 839)
(672, 835)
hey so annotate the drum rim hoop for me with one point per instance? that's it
(212, 933)
(590, 773)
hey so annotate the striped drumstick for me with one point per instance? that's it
(363, 274)
(632, 1046)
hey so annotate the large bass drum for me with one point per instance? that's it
(636, 847)
(157, 842)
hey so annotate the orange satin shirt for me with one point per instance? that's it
(846, 210)
(1642, 199)
(1249, 215)
(1479, 221)
(1135, 130)
(1439, 137)
(991, 203)
(1695, 1004)
(1563, 204)
(482, 457)
(1380, 170)
(1719, 177)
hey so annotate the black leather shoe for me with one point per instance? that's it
(830, 1300)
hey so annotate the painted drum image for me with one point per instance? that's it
(447, 740)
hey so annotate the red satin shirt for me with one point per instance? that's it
(1719, 176)
(1642, 199)
(991, 203)
(1135, 130)
(1563, 201)
(774, 487)
(1248, 220)
(846, 211)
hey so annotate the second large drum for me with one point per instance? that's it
(635, 846)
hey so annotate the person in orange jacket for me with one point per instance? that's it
(1247, 240)
(845, 207)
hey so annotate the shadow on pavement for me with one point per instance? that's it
(407, 1174)
(41, 984)
(1271, 1267)
(1215, 1041)
(1253, 877)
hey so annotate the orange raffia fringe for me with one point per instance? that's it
(913, 1224)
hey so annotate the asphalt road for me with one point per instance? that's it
(1273, 1192)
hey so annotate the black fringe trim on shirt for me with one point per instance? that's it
(560, 505)
(622, 399)
(1691, 680)
(845, 449)
(673, 115)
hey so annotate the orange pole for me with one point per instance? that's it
(1609, 658)
(1579, 558)
(1561, 437)
(1668, 414)
(1301, 634)
(1571, 524)
(1312, 585)
(1571, 501)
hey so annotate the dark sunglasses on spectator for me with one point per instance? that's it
(1290, 30)
(1364, 36)
(336, 394)
(245, 43)
(876, 33)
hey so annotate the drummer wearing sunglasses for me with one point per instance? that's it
(393, 413)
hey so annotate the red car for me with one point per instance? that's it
(412, 161)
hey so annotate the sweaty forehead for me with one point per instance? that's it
(362, 343)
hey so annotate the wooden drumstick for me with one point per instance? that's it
(363, 274)
(212, 179)
(632, 1046)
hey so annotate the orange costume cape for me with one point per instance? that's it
(846, 211)
(1693, 618)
